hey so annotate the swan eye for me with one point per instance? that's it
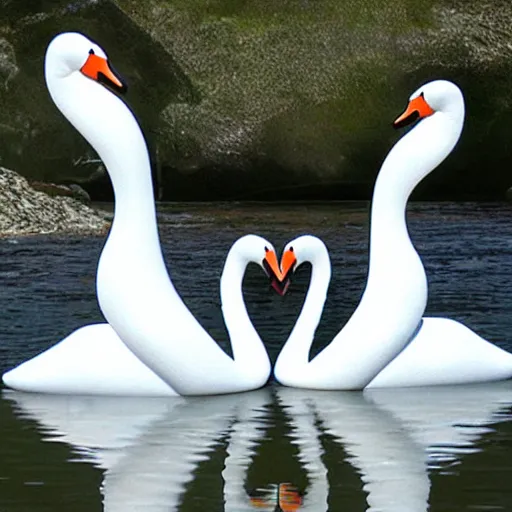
(266, 249)
(91, 52)
(291, 249)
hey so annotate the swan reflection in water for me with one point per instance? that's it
(150, 449)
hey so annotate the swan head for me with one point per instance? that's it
(256, 249)
(83, 85)
(70, 53)
(306, 248)
(437, 96)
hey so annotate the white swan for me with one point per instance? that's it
(396, 291)
(94, 361)
(134, 289)
(442, 351)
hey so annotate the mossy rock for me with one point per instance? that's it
(263, 99)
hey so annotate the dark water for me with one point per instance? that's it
(402, 450)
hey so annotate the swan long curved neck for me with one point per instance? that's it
(235, 313)
(134, 290)
(297, 353)
(125, 154)
(134, 204)
(412, 158)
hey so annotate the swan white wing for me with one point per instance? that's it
(90, 361)
(443, 352)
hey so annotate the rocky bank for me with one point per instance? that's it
(25, 211)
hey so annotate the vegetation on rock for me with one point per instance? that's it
(263, 100)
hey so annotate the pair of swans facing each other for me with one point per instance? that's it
(150, 450)
(442, 352)
(152, 332)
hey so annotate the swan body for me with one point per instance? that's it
(134, 290)
(94, 361)
(442, 352)
(395, 296)
(90, 361)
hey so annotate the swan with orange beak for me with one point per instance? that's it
(395, 296)
(435, 351)
(148, 321)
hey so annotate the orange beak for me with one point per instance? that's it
(418, 108)
(277, 277)
(273, 265)
(99, 69)
(288, 261)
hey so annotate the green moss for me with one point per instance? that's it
(266, 14)
(309, 86)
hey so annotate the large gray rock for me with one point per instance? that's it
(268, 99)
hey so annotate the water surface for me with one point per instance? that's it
(444, 448)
